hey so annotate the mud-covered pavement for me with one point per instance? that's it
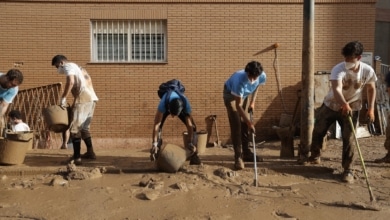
(131, 188)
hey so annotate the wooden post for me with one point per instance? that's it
(307, 113)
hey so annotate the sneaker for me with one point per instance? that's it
(249, 156)
(89, 155)
(348, 176)
(385, 159)
(195, 160)
(239, 164)
(309, 160)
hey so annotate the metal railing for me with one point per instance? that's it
(382, 98)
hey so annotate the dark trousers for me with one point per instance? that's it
(239, 131)
(325, 117)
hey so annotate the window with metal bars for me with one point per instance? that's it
(128, 41)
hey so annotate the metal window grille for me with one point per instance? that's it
(129, 41)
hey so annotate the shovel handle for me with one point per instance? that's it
(255, 181)
(372, 198)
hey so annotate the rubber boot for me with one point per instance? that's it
(76, 151)
(76, 147)
(90, 154)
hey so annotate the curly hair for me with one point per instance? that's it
(15, 74)
(352, 49)
(254, 68)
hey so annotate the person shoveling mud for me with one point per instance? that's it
(239, 95)
(344, 100)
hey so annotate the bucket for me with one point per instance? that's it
(56, 118)
(20, 136)
(171, 158)
(200, 140)
(13, 151)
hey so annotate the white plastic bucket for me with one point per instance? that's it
(200, 140)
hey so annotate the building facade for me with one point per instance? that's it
(382, 31)
(131, 46)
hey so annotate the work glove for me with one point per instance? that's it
(191, 147)
(370, 115)
(346, 110)
(154, 151)
(63, 102)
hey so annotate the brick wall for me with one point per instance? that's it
(207, 42)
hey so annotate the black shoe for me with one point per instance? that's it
(385, 159)
(89, 155)
(249, 157)
(195, 160)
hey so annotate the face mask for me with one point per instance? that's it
(60, 70)
(349, 65)
(252, 80)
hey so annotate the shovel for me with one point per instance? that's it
(372, 198)
(254, 149)
(218, 143)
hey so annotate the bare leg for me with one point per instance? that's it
(65, 139)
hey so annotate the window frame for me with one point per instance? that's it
(151, 47)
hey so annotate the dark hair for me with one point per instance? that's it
(354, 48)
(15, 114)
(15, 74)
(254, 68)
(57, 59)
(175, 106)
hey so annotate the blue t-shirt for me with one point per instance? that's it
(162, 105)
(8, 95)
(239, 85)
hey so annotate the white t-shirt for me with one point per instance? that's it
(82, 89)
(353, 84)
(20, 127)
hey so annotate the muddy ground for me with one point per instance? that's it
(126, 185)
